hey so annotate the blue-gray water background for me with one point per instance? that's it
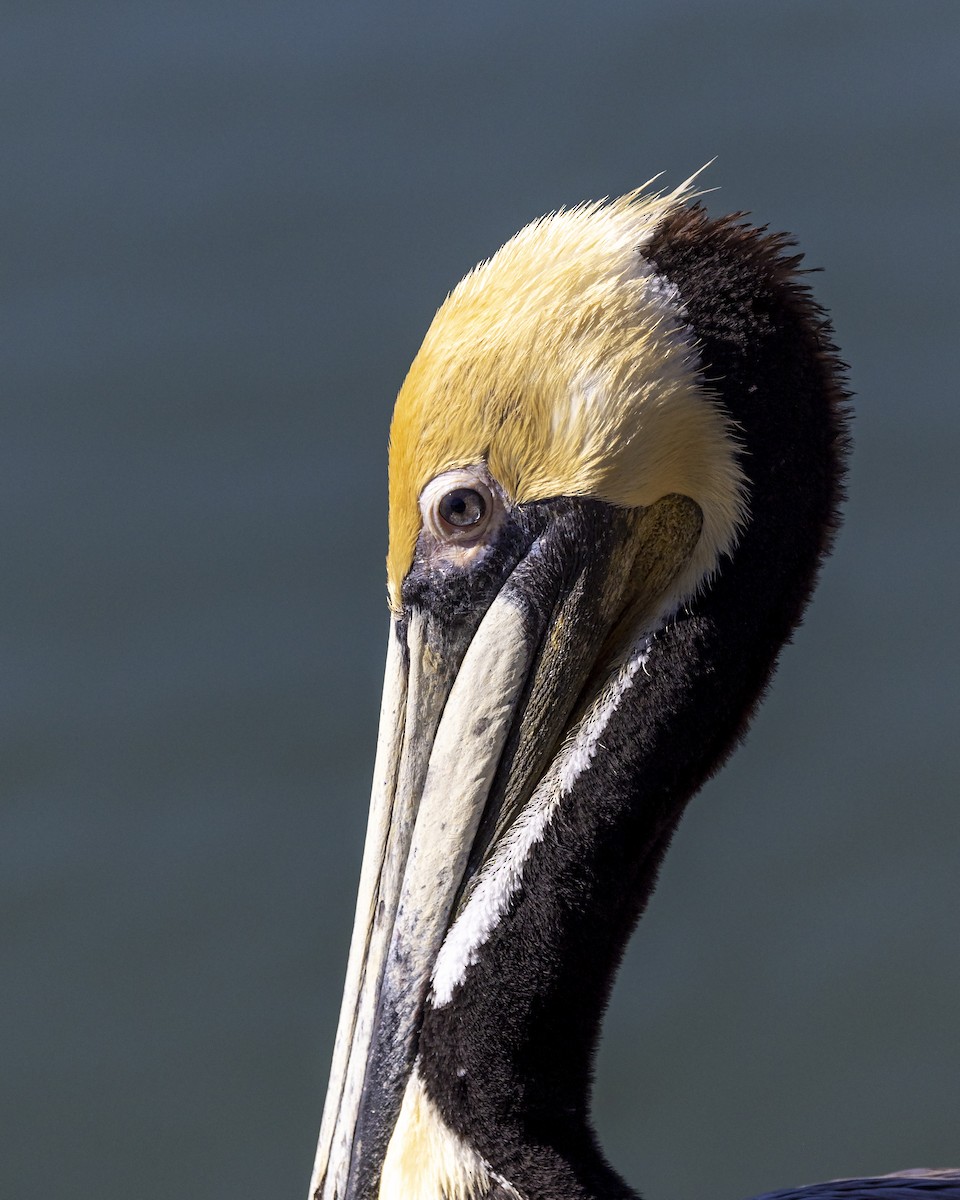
(225, 228)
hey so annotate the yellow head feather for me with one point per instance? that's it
(564, 364)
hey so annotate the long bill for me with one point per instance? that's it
(472, 711)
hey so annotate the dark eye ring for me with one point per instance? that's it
(462, 509)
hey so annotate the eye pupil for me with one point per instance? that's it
(462, 508)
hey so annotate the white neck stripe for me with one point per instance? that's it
(501, 876)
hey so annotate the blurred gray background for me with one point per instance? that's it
(225, 229)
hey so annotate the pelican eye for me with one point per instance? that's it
(462, 508)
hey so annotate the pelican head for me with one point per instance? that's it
(614, 470)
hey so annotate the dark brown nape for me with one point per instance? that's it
(757, 323)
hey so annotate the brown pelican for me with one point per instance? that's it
(615, 469)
